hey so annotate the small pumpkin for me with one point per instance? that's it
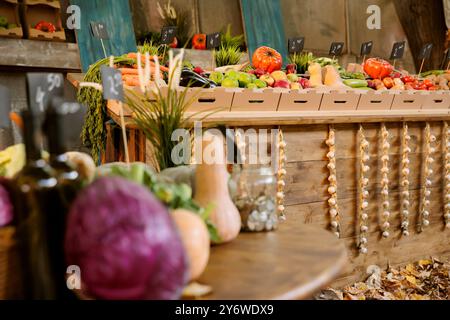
(195, 238)
(199, 41)
(378, 68)
(267, 59)
(211, 188)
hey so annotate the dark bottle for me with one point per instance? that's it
(35, 186)
(58, 128)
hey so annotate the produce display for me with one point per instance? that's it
(5, 24)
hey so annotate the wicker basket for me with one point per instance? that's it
(10, 275)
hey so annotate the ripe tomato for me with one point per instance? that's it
(407, 79)
(378, 68)
(428, 82)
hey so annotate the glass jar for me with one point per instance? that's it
(254, 195)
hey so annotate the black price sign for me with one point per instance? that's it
(212, 40)
(42, 88)
(366, 48)
(5, 107)
(99, 30)
(296, 45)
(112, 84)
(336, 48)
(168, 34)
(398, 50)
(425, 52)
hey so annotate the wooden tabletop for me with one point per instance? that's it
(291, 263)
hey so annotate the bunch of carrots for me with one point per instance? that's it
(130, 76)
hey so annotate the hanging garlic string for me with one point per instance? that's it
(332, 189)
(281, 174)
(447, 175)
(426, 193)
(363, 216)
(405, 195)
(386, 214)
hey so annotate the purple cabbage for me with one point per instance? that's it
(125, 243)
(6, 207)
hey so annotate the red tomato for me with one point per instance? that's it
(433, 88)
(428, 82)
(407, 79)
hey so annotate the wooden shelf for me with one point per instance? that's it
(33, 54)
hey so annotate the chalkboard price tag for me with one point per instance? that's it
(336, 48)
(99, 30)
(42, 88)
(398, 50)
(296, 45)
(168, 34)
(366, 48)
(425, 52)
(112, 84)
(212, 40)
(5, 107)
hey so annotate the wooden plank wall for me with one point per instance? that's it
(306, 192)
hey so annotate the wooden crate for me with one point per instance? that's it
(436, 100)
(36, 11)
(407, 100)
(256, 99)
(340, 100)
(210, 100)
(376, 100)
(300, 100)
(10, 10)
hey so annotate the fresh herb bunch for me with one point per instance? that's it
(302, 60)
(228, 56)
(154, 49)
(227, 40)
(93, 134)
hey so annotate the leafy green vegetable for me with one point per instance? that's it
(227, 40)
(350, 75)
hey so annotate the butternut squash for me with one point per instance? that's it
(315, 72)
(332, 78)
(211, 187)
(195, 238)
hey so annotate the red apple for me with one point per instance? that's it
(282, 84)
(291, 69)
(268, 79)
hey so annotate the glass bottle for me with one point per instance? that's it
(255, 197)
(33, 197)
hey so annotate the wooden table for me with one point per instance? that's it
(292, 263)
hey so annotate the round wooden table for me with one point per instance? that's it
(290, 264)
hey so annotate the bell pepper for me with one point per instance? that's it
(199, 41)
(45, 26)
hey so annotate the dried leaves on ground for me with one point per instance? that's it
(427, 279)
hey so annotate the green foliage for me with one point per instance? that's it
(227, 56)
(154, 49)
(230, 41)
(302, 61)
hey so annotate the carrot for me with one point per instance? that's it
(128, 71)
(133, 55)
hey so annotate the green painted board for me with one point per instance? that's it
(116, 15)
(264, 25)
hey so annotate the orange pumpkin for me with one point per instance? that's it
(267, 59)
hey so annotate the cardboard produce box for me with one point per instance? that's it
(376, 100)
(36, 11)
(340, 100)
(256, 99)
(407, 100)
(300, 100)
(210, 100)
(10, 19)
(436, 100)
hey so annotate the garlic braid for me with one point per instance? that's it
(332, 189)
(404, 184)
(364, 157)
(447, 175)
(425, 204)
(385, 181)
(281, 174)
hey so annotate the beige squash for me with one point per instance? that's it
(195, 237)
(211, 188)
